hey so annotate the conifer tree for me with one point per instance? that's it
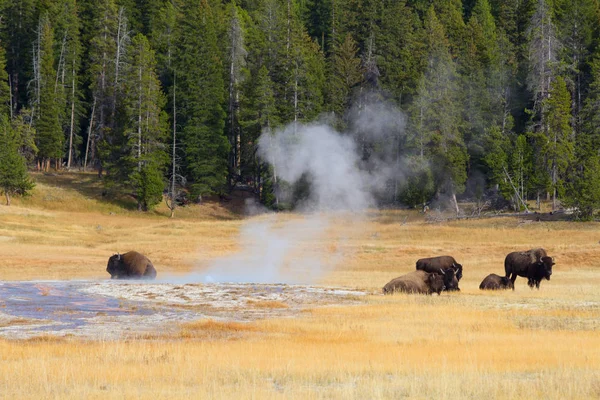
(101, 73)
(14, 179)
(583, 187)
(436, 119)
(49, 136)
(201, 113)
(557, 147)
(346, 73)
(400, 51)
(141, 156)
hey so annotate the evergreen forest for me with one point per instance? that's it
(500, 99)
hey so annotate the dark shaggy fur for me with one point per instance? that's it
(533, 264)
(434, 264)
(416, 282)
(131, 265)
(496, 282)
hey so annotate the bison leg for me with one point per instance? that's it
(513, 278)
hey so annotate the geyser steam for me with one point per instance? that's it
(281, 248)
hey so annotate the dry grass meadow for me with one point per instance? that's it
(470, 345)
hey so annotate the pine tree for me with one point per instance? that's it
(5, 95)
(345, 75)
(14, 179)
(401, 54)
(17, 36)
(101, 69)
(558, 140)
(583, 188)
(235, 55)
(141, 157)
(200, 77)
(50, 139)
(68, 51)
(436, 120)
(576, 23)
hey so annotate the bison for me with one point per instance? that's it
(451, 279)
(496, 282)
(434, 264)
(533, 264)
(416, 282)
(131, 265)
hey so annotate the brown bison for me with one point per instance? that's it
(434, 264)
(131, 265)
(496, 282)
(416, 282)
(533, 264)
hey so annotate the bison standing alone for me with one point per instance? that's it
(131, 265)
(533, 264)
(496, 282)
(416, 282)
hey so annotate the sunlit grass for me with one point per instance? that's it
(499, 345)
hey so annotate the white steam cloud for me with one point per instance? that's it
(284, 249)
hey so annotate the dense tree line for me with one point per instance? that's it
(174, 94)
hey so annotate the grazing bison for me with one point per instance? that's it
(434, 264)
(496, 282)
(416, 282)
(533, 264)
(131, 265)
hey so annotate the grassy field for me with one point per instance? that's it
(472, 344)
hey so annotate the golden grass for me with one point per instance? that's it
(499, 345)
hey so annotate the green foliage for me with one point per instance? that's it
(478, 80)
(202, 94)
(346, 73)
(151, 186)
(419, 186)
(49, 136)
(14, 179)
(557, 146)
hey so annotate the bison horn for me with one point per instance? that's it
(118, 256)
(442, 271)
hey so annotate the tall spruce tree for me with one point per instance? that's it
(50, 138)
(558, 139)
(14, 179)
(101, 71)
(141, 157)
(583, 187)
(436, 120)
(201, 94)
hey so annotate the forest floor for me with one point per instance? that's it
(256, 338)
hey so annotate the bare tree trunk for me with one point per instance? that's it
(60, 66)
(174, 161)
(455, 203)
(72, 129)
(139, 144)
(11, 96)
(7, 198)
(87, 146)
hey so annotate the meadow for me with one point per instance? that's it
(525, 343)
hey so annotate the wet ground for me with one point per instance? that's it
(119, 309)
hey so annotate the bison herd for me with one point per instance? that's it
(432, 275)
(437, 274)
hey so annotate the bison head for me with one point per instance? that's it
(545, 265)
(114, 266)
(436, 283)
(450, 281)
(458, 269)
(506, 282)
